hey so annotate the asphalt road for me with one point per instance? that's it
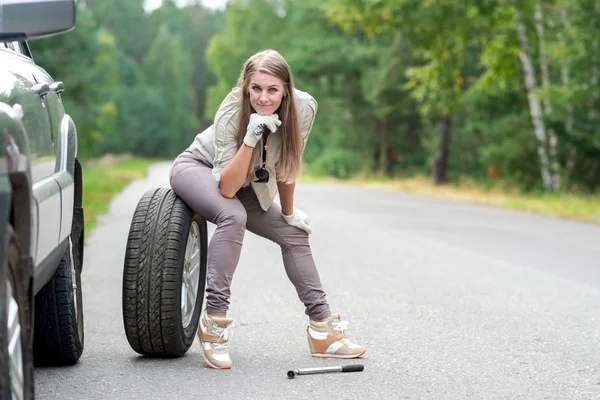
(452, 301)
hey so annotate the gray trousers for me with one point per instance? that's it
(192, 181)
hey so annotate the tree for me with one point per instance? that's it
(440, 34)
(85, 59)
(250, 26)
(168, 67)
(127, 21)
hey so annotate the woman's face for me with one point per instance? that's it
(266, 92)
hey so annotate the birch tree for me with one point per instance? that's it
(565, 70)
(535, 106)
(552, 140)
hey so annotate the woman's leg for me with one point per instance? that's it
(326, 338)
(295, 248)
(192, 181)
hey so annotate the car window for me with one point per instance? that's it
(24, 48)
(18, 47)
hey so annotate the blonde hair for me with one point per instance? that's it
(271, 62)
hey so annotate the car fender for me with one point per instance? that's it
(69, 161)
(17, 203)
(66, 175)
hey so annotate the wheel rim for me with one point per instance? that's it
(191, 273)
(15, 350)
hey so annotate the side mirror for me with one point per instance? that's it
(34, 19)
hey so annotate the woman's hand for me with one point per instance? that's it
(299, 220)
(256, 127)
(235, 173)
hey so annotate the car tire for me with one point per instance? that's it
(164, 275)
(16, 358)
(59, 334)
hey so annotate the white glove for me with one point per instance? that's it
(298, 219)
(256, 126)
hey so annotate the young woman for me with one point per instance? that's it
(230, 175)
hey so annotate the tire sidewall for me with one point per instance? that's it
(57, 338)
(153, 275)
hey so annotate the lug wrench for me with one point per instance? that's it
(308, 371)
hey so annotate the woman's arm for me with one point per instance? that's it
(235, 173)
(234, 166)
(291, 215)
(286, 197)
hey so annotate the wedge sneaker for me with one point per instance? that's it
(214, 334)
(328, 340)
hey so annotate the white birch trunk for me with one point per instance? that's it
(535, 107)
(552, 140)
(565, 73)
(566, 81)
(539, 26)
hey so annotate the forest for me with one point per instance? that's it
(501, 93)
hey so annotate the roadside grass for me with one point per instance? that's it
(568, 206)
(106, 177)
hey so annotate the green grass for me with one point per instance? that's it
(569, 206)
(104, 178)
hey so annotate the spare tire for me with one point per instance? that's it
(164, 275)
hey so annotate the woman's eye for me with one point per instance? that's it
(273, 90)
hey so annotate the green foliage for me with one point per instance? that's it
(169, 67)
(127, 22)
(384, 72)
(145, 134)
(250, 26)
(85, 60)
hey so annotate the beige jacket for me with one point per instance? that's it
(217, 144)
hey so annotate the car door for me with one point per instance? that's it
(64, 145)
(30, 91)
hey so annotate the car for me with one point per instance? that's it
(42, 237)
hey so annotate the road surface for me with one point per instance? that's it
(452, 301)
